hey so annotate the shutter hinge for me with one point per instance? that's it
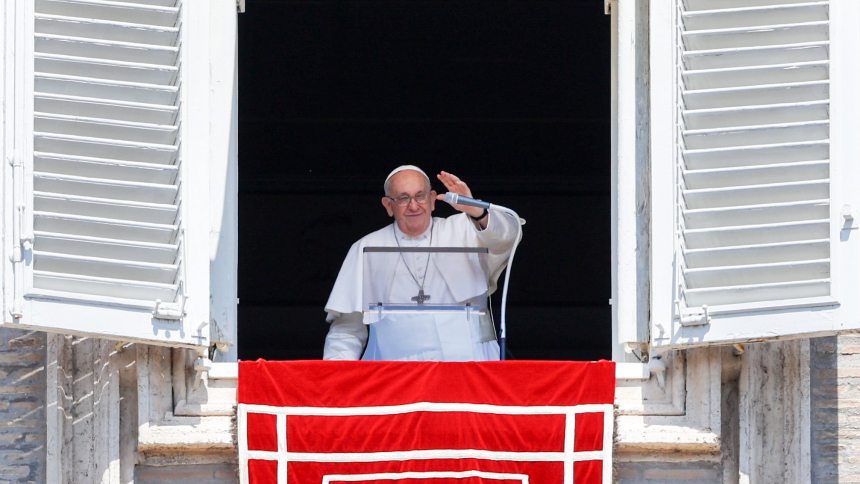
(240, 6)
(695, 316)
(19, 228)
(19, 239)
(170, 310)
(26, 237)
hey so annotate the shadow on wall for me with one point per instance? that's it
(22, 405)
(825, 393)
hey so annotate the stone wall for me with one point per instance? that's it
(703, 472)
(765, 406)
(763, 427)
(835, 382)
(188, 474)
(22, 406)
(833, 431)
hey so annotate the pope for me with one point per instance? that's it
(410, 200)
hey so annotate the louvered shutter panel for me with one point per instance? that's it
(106, 183)
(755, 163)
(116, 200)
(755, 243)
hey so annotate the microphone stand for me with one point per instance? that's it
(456, 198)
(503, 325)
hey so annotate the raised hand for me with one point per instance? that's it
(458, 186)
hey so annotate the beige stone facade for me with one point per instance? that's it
(87, 411)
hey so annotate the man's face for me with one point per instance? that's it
(414, 217)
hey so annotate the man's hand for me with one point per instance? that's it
(458, 186)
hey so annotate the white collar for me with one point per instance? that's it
(403, 235)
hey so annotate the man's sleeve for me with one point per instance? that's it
(346, 337)
(498, 237)
(500, 233)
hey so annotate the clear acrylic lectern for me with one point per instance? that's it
(406, 281)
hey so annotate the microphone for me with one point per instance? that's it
(457, 199)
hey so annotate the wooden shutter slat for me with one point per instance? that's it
(107, 247)
(103, 286)
(102, 49)
(106, 69)
(135, 13)
(756, 154)
(110, 208)
(764, 15)
(105, 188)
(755, 56)
(764, 174)
(104, 148)
(59, 224)
(760, 214)
(757, 95)
(106, 108)
(756, 115)
(102, 267)
(105, 29)
(757, 194)
(757, 293)
(739, 37)
(756, 75)
(736, 236)
(758, 254)
(762, 273)
(138, 92)
(170, 3)
(754, 135)
(696, 5)
(101, 128)
(103, 168)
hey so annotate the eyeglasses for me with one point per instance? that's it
(420, 198)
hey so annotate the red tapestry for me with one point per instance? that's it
(506, 422)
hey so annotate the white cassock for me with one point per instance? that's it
(418, 337)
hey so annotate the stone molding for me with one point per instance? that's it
(682, 416)
(165, 419)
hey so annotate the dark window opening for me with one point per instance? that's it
(513, 97)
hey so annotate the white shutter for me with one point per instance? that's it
(759, 247)
(115, 190)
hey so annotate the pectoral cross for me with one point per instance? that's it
(420, 298)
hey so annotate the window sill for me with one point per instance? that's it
(632, 371)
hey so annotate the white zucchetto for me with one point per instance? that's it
(404, 168)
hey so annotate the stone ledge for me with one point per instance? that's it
(632, 371)
(184, 409)
(189, 436)
(224, 371)
(637, 437)
(687, 442)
